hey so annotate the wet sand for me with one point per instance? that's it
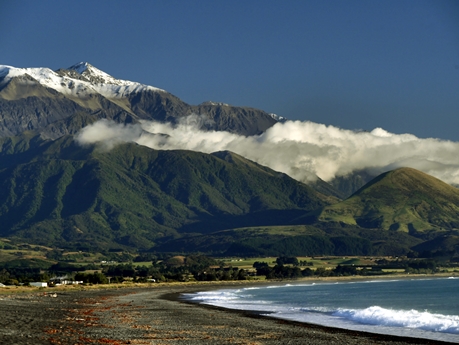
(154, 315)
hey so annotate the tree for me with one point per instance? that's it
(322, 272)
(285, 260)
(95, 278)
(242, 275)
(262, 268)
(4, 276)
(345, 270)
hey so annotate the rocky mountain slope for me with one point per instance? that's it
(57, 103)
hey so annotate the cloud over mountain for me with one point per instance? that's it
(299, 149)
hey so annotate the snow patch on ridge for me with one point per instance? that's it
(277, 117)
(80, 67)
(215, 103)
(4, 70)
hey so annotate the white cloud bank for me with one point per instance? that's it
(299, 149)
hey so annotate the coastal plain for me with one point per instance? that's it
(155, 315)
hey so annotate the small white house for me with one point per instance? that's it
(39, 284)
(64, 281)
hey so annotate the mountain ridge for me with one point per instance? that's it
(37, 98)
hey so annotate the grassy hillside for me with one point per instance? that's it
(404, 199)
(58, 193)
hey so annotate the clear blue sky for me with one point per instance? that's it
(353, 64)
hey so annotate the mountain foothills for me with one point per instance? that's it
(61, 193)
(400, 200)
(58, 193)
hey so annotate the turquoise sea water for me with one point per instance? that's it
(421, 308)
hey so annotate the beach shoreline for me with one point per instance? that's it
(157, 314)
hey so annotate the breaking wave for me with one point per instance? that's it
(402, 318)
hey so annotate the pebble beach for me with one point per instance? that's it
(154, 315)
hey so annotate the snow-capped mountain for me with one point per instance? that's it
(56, 103)
(80, 80)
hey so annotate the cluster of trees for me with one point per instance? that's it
(410, 265)
(198, 267)
(92, 278)
(292, 260)
(21, 275)
(422, 266)
(279, 271)
(222, 273)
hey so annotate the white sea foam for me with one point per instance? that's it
(402, 318)
(213, 296)
(380, 281)
(231, 299)
(313, 309)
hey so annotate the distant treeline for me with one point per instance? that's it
(289, 267)
(202, 268)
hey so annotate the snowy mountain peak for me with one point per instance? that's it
(80, 80)
(80, 67)
(94, 75)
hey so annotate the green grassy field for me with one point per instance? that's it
(313, 262)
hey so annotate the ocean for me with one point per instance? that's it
(420, 308)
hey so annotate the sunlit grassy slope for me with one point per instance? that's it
(404, 199)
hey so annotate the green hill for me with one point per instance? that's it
(58, 193)
(404, 199)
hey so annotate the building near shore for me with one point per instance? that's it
(39, 284)
(64, 281)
